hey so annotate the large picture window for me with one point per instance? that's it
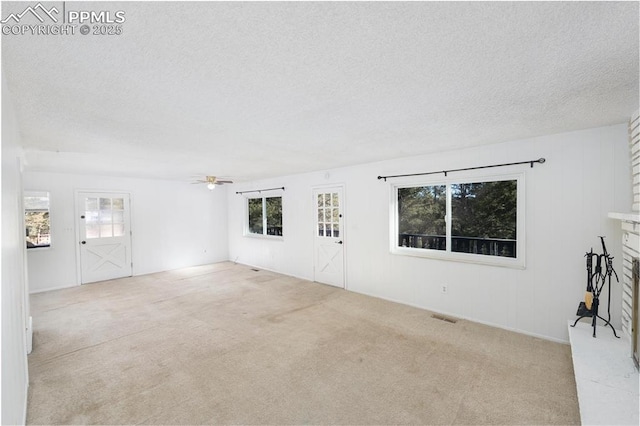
(471, 220)
(264, 216)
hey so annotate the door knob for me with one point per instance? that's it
(83, 242)
(339, 242)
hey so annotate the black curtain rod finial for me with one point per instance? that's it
(539, 160)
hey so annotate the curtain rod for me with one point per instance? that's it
(260, 190)
(531, 162)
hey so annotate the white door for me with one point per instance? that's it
(105, 236)
(329, 236)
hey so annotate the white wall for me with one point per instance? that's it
(175, 224)
(567, 200)
(15, 307)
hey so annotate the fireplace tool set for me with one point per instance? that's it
(596, 279)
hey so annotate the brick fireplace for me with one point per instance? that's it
(630, 222)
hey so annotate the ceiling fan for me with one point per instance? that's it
(212, 181)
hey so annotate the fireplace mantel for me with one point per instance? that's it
(625, 217)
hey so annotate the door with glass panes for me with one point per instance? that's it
(329, 236)
(104, 236)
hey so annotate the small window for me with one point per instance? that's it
(472, 220)
(36, 219)
(264, 216)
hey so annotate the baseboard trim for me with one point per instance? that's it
(272, 270)
(137, 274)
(54, 288)
(26, 400)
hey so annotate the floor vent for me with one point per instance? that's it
(443, 318)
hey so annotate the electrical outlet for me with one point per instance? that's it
(444, 289)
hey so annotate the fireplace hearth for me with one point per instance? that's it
(635, 322)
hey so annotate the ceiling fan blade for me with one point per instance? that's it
(211, 180)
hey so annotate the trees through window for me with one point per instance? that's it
(421, 217)
(36, 219)
(264, 216)
(484, 218)
(476, 217)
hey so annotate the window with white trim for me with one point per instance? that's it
(476, 220)
(264, 216)
(36, 219)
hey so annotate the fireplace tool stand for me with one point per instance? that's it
(596, 289)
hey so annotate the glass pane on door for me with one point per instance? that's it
(118, 203)
(104, 217)
(118, 216)
(106, 231)
(92, 231)
(329, 215)
(118, 230)
(105, 203)
(91, 204)
(92, 217)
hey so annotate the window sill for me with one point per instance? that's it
(265, 237)
(499, 261)
(38, 248)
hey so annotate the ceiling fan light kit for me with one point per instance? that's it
(212, 181)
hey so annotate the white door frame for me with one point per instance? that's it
(343, 230)
(76, 223)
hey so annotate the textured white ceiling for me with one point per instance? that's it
(249, 90)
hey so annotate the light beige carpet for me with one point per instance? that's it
(224, 344)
